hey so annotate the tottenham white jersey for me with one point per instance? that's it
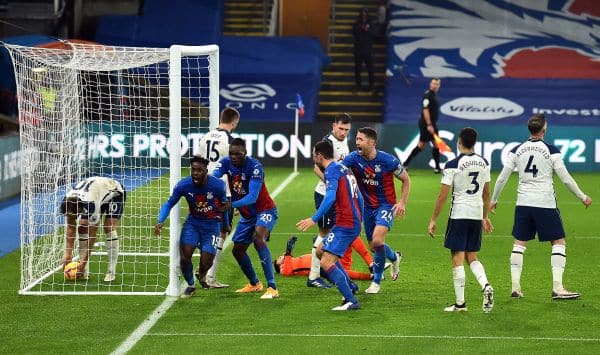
(340, 150)
(535, 161)
(97, 190)
(214, 146)
(467, 174)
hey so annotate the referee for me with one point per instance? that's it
(428, 124)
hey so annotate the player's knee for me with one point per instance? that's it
(238, 253)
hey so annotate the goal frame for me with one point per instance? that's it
(177, 53)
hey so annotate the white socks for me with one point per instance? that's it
(315, 266)
(112, 249)
(479, 272)
(458, 275)
(558, 260)
(516, 266)
(212, 272)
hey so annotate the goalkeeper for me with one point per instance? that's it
(288, 265)
(83, 207)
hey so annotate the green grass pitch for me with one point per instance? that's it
(407, 316)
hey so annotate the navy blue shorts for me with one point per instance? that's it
(545, 221)
(328, 219)
(463, 235)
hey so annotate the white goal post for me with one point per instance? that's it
(132, 114)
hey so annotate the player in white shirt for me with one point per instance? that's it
(214, 146)
(339, 139)
(536, 211)
(83, 207)
(469, 177)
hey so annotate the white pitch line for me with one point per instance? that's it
(382, 336)
(143, 328)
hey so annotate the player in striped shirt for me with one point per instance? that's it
(258, 215)
(469, 177)
(342, 193)
(375, 172)
(207, 200)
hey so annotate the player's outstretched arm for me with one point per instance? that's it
(439, 203)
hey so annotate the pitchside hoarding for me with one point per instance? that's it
(10, 167)
(276, 145)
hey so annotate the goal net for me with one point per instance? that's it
(132, 114)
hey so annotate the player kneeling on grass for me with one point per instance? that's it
(83, 207)
(469, 177)
(207, 200)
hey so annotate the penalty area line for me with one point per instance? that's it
(380, 336)
(146, 325)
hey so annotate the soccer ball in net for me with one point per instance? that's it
(71, 270)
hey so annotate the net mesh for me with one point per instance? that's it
(90, 110)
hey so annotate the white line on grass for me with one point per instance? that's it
(384, 336)
(143, 328)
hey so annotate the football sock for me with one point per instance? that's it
(435, 153)
(246, 266)
(212, 272)
(315, 266)
(112, 249)
(458, 275)
(379, 263)
(265, 261)
(389, 253)
(412, 155)
(558, 260)
(83, 247)
(516, 266)
(479, 272)
(341, 282)
(342, 270)
(186, 270)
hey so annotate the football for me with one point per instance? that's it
(70, 270)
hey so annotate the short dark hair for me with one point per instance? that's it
(238, 142)
(343, 118)
(276, 267)
(325, 148)
(468, 137)
(370, 132)
(199, 159)
(228, 115)
(536, 123)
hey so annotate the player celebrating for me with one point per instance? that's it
(338, 138)
(342, 193)
(470, 206)
(258, 215)
(207, 200)
(536, 210)
(213, 146)
(375, 171)
(83, 207)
